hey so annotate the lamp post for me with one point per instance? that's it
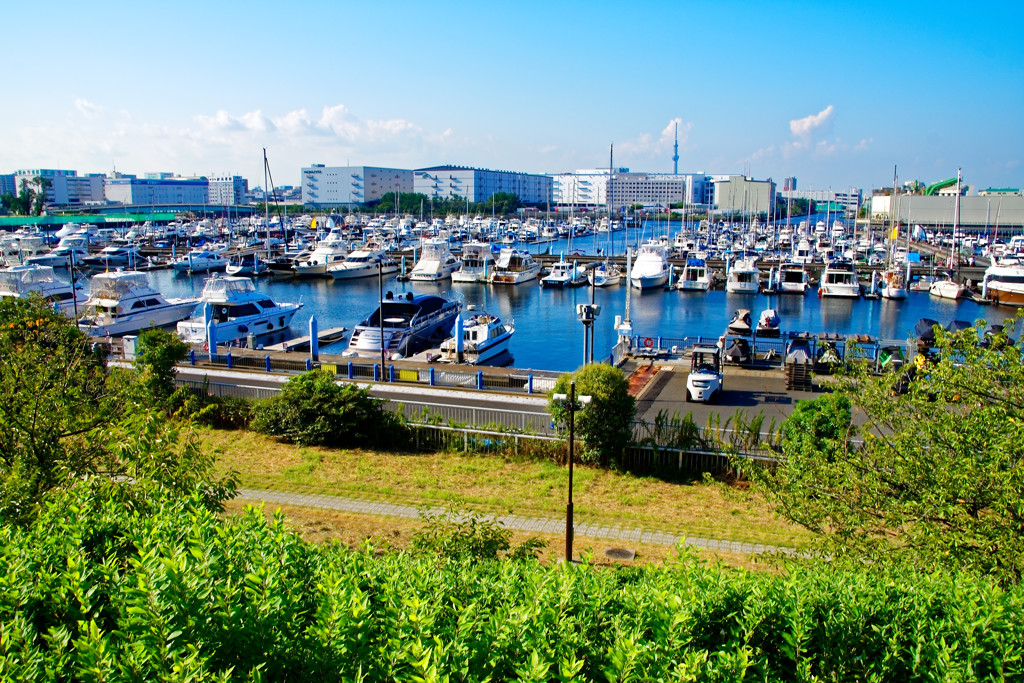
(380, 315)
(572, 404)
(586, 314)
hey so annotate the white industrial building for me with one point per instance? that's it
(134, 191)
(350, 185)
(227, 190)
(850, 201)
(479, 185)
(589, 188)
(738, 194)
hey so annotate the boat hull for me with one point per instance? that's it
(171, 314)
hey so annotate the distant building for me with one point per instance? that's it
(56, 190)
(479, 185)
(152, 192)
(7, 185)
(1000, 192)
(590, 187)
(977, 212)
(586, 187)
(740, 194)
(351, 185)
(227, 190)
(789, 184)
(849, 201)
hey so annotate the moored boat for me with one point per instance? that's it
(24, 280)
(839, 279)
(123, 302)
(403, 325)
(235, 309)
(436, 261)
(514, 266)
(650, 270)
(484, 336)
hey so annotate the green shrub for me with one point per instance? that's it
(466, 535)
(606, 425)
(314, 410)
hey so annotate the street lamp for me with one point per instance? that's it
(587, 314)
(572, 403)
(380, 315)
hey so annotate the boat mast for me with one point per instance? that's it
(956, 227)
(266, 198)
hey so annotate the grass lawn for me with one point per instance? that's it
(495, 484)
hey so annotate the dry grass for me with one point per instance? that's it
(495, 484)
(393, 534)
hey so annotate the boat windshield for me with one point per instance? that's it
(117, 285)
(227, 287)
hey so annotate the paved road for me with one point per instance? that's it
(540, 525)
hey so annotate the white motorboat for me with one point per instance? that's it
(436, 261)
(329, 251)
(839, 279)
(1004, 282)
(403, 325)
(793, 278)
(650, 270)
(114, 256)
(200, 261)
(892, 283)
(235, 309)
(696, 277)
(744, 277)
(123, 302)
(23, 281)
(803, 253)
(363, 262)
(605, 274)
(18, 249)
(246, 265)
(564, 274)
(69, 251)
(478, 263)
(947, 288)
(514, 267)
(484, 336)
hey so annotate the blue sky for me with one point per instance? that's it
(833, 93)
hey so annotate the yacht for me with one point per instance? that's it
(18, 249)
(803, 253)
(114, 256)
(200, 261)
(236, 310)
(245, 265)
(484, 336)
(793, 278)
(1004, 282)
(892, 283)
(650, 270)
(436, 261)
(22, 281)
(403, 325)
(69, 251)
(123, 302)
(477, 263)
(605, 274)
(695, 277)
(564, 274)
(364, 262)
(329, 251)
(744, 277)
(514, 266)
(839, 279)
(947, 288)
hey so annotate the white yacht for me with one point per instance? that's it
(245, 265)
(200, 261)
(114, 256)
(947, 288)
(695, 277)
(122, 302)
(1004, 282)
(605, 274)
(329, 251)
(514, 266)
(236, 310)
(839, 279)
(793, 278)
(478, 263)
(436, 261)
(803, 253)
(403, 325)
(363, 262)
(22, 281)
(564, 274)
(892, 283)
(744, 277)
(650, 270)
(18, 249)
(70, 250)
(484, 336)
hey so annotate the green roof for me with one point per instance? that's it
(89, 218)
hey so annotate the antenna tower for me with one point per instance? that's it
(675, 156)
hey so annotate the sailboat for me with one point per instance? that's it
(892, 282)
(948, 288)
(606, 273)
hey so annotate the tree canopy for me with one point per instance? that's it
(606, 424)
(920, 466)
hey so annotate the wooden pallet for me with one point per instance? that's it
(798, 376)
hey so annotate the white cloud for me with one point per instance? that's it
(87, 108)
(646, 145)
(805, 127)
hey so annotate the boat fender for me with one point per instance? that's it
(648, 343)
(224, 310)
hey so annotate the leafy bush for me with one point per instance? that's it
(314, 410)
(96, 589)
(604, 426)
(468, 535)
(157, 353)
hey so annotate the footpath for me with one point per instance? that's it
(515, 522)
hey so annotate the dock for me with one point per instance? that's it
(328, 336)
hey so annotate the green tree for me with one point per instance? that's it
(934, 477)
(314, 410)
(158, 351)
(66, 418)
(39, 201)
(606, 425)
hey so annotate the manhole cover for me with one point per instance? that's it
(619, 554)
